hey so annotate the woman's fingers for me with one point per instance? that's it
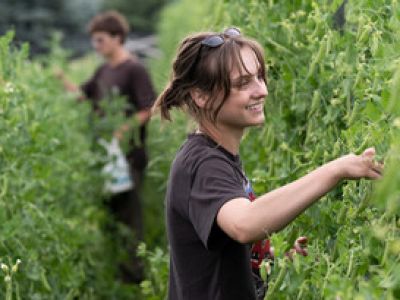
(374, 169)
(378, 167)
(370, 152)
(372, 174)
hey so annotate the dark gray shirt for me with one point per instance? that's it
(206, 264)
(131, 80)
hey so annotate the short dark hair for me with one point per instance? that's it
(111, 22)
(210, 72)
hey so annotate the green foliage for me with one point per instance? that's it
(330, 93)
(155, 286)
(35, 21)
(173, 27)
(141, 15)
(51, 211)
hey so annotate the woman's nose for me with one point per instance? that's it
(261, 90)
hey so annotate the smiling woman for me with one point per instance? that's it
(214, 85)
(212, 213)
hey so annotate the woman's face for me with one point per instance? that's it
(244, 106)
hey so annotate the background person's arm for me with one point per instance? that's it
(247, 221)
(68, 84)
(140, 118)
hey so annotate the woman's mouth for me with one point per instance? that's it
(255, 107)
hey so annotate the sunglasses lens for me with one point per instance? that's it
(232, 32)
(213, 41)
(217, 40)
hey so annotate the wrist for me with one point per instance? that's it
(335, 169)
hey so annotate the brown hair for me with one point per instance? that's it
(111, 22)
(208, 69)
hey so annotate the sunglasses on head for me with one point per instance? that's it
(217, 40)
(214, 41)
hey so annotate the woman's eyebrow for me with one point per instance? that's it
(243, 77)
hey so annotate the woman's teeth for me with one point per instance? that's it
(255, 107)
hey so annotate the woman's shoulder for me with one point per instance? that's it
(197, 150)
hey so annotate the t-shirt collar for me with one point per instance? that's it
(231, 156)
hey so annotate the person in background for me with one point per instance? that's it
(213, 216)
(121, 72)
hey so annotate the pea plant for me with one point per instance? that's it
(332, 91)
(334, 86)
(51, 240)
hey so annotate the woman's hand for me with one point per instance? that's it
(353, 166)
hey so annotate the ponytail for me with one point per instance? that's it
(174, 95)
(177, 92)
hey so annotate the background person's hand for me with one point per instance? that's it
(59, 74)
(353, 166)
(120, 132)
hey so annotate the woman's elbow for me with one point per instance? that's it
(243, 234)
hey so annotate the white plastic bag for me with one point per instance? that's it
(117, 168)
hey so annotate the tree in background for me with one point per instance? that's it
(142, 15)
(34, 21)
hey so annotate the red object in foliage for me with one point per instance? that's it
(300, 247)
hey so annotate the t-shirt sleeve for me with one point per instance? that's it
(214, 184)
(142, 90)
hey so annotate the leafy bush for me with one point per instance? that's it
(51, 212)
(332, 90)
(155, 286)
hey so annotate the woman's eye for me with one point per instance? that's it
(243, 83)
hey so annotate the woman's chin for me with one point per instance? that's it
(258, 121)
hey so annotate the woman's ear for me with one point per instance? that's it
(198, 97)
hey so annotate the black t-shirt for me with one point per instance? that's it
(206, 264)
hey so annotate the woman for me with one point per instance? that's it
(211, 218)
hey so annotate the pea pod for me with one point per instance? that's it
(4, 187)
(336, 149)
(269, 138)
(278, 281)
(318, 58)
(342, 214)
(353, 115)
(44, 280)
(393, 106)
(363, 37)
(315, 103)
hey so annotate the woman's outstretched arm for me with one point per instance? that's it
(247, 221)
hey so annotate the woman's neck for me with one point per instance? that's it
(228, 138)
